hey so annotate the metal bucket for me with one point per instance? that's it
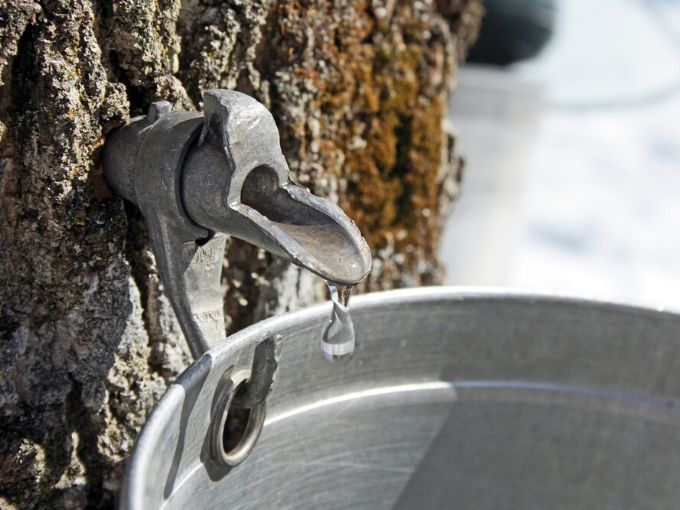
(453, 399)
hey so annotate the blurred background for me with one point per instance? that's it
(570, 126)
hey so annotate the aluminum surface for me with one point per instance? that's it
(453, 399)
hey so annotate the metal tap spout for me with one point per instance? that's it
(198, 177)
(236, 180)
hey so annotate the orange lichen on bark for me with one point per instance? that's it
(379, 77)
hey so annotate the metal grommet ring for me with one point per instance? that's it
(235, 429)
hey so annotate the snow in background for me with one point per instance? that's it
(573, 176)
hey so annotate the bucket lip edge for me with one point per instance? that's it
(439, 293)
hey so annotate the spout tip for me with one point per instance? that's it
(332, 247)
(335, 252)
(310, 231)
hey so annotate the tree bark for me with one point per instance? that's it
(88, 340)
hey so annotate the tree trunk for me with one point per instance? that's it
(88, 339)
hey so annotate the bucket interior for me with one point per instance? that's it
(453, 399)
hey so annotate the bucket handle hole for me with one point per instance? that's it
(237, 428)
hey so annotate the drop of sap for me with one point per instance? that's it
(337, 340)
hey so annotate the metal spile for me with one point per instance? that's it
(198, 176)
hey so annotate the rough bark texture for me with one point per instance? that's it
(88, 340)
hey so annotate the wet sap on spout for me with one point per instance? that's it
(337, 340)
